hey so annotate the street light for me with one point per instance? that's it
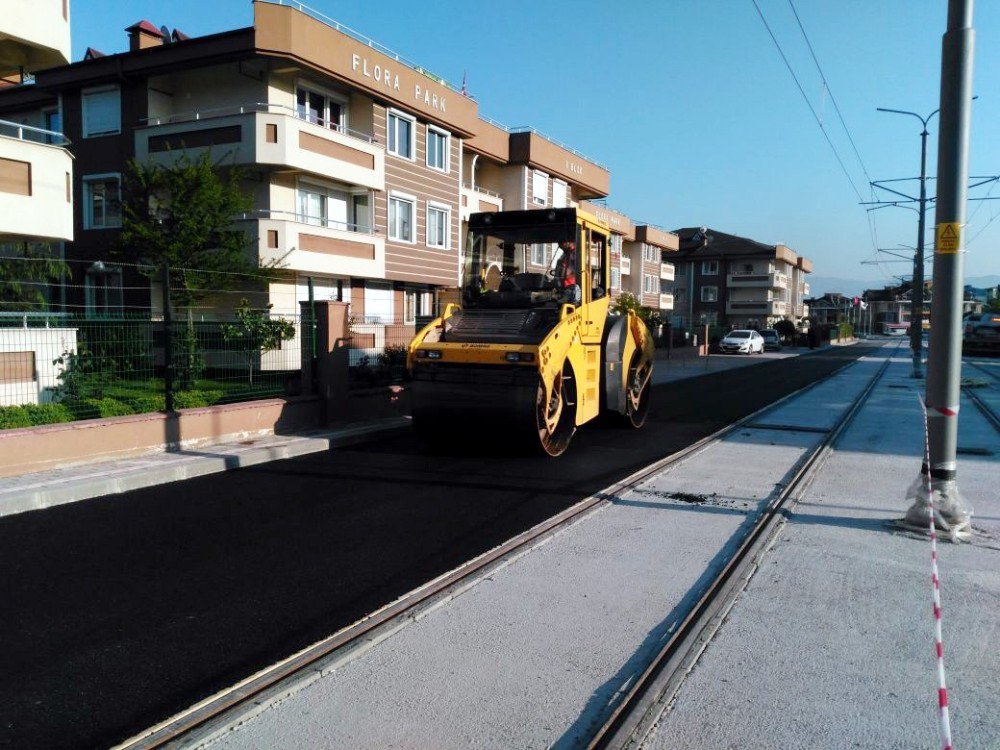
(917, 293)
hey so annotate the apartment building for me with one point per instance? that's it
(738, 282)
(652, 277)
(520, 169)
(353, 157)
(36, 168)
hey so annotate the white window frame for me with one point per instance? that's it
(564, 187)
(649, 284)
(446, 210)
(342, 99)
(447, 148)
(544, 248)
(536, 175)
(83, 107)
(616, 278)
(88, 215)
(390, 113)
(410, 302)
(405, 198)
(710, 268)
(715, 293)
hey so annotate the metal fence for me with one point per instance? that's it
(59, 368)
(378, 347)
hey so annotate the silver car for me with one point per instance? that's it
(742, 341)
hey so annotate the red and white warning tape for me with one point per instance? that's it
(945, 721)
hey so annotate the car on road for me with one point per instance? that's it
(983, 325)
(742, 341)
(772, 340)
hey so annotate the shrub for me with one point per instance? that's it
(32, 415)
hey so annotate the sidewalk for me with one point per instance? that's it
(831, 646)
(684, 362)
(44, 489)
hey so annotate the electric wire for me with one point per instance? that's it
(805, 97)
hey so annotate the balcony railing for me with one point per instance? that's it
(250, 108)
(482, 190)
(315, 221)
(667, 272)
(30, 133)
(626, 266)
(666, 302)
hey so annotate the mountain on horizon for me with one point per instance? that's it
(820, 285)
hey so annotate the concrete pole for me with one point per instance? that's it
(945, 362)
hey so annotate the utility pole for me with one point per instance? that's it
(945, 362)
(917, 292)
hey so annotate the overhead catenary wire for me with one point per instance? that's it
(805, 97)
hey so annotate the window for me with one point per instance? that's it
(102, 290)
(327, 110)
(332, 207)
(102, 201)
(539, 188)
(559, 194)
(616, 242)
(680, 294)
(650, 253)
(438, 142)
(409, 306)
(616, 278)
(401, 213)
(438, 224)
(102, 112)
(710, 294)
(401, 129)
(650, 284)
(538, 254)
(748, 268)
(53, 122)
(709, 267)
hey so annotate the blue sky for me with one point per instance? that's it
(688, 101)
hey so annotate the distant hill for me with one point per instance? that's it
(982, 282)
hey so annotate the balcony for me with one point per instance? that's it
(476, 199)
(35, 35)
(666, 302)
(759, 280)
(805, 289)
(757, 307)
(36, 198)
(626, 266)
(311, 246)
(667, 271)
(262, 134)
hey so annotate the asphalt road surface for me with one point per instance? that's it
(120, 611)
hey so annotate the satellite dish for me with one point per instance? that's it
(167, 39)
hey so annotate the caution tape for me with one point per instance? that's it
(943, 715)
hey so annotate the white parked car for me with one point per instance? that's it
(742, 342)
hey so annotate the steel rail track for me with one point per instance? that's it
(977, 400)
(643, 704)
(216, 713)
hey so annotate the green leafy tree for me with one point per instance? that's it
(785, 329)
(182, 215)
(256, 332)
(25, 270)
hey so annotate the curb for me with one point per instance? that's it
(184, 464)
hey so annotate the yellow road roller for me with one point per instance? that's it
(531, 345)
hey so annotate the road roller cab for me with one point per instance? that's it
(532, 345)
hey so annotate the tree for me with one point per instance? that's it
(181, 215)
(785, 329)
(256, 332)
(25, 270)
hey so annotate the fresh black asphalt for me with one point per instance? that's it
(120, 611)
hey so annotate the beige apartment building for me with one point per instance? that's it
(737, 282)
(36, 202)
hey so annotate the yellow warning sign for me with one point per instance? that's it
(949, 237)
